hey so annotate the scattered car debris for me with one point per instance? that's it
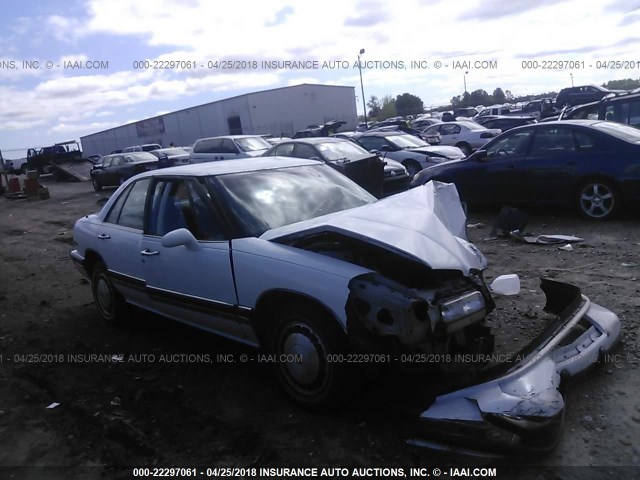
(545, 239)
(567, 248)
(476, 225)
(506, 285)
(629, 265)
(53, 405)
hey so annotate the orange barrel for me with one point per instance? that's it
(14, 185)
(31, 187)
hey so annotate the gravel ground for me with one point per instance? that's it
(156, 409)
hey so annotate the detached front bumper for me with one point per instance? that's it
(518, 407)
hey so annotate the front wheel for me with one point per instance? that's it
(412, 167)
(598, 200)
(306, 347)
(96, 184)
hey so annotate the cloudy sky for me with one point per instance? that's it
(56, 102)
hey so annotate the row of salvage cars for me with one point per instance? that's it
(290, 256)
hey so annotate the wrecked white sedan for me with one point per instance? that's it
(291, 256)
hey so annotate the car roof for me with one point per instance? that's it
(221, 167)
(315, 140)
(384, 133)
(231, 137)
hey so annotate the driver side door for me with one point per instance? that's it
(193, 284)
(504, 177)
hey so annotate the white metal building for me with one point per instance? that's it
(279, 111)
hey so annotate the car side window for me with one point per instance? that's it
(285, 150)
(106, 162)
(213, 145)
(180, 204)
(304, 151)
(432, 130)
(449, 129)
(634, 114)
(114, 213)
(132, 213)
(372, 143)
(553, 140)
(228, 146)
(513, 145)
(584, 141)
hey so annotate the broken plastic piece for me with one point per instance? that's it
(506, 285)
(53, 405)
(567, 248)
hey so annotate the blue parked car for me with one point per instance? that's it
(590, 164)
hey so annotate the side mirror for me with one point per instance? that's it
(480, 156)
(178, 237)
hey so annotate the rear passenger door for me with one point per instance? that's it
(229, 150)
(554, 159)
(191, 284)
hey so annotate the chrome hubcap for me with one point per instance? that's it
(104, 296)
(596, 200)
(306, 371)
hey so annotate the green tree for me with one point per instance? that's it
(626, 84)
(456, 101)
(499, 96)
(388, 108)
(407, 104)
(374, 106)
(478, 97)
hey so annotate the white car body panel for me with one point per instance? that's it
(423, 227)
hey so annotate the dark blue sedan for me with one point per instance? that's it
(590, 164)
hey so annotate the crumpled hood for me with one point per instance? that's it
(443, 150)
(426, 223)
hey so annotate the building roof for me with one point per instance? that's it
(218, 101)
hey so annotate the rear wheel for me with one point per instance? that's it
(111, 305)
(598, 199)
(304, 343)
(465, 147)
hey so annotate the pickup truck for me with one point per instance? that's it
(537, 109)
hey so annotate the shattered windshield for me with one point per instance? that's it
(266, 199)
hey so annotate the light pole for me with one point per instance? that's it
(364, 103)
(464, 77)
(571, 74)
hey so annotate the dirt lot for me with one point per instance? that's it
(152, 412)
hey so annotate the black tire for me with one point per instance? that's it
(110, 304)
(598, 199)
(122, 180)
(412, 167)
(466, 148)
(318, 382)
(96, 184)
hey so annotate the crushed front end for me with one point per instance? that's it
(518, 407)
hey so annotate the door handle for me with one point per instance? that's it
(148, 253)
(104, 236)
